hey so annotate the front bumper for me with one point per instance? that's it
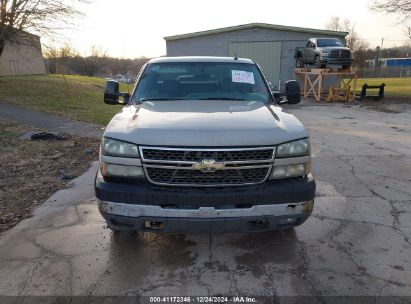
(204, 225)
(147, 207)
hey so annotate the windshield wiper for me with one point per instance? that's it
(160, 98)
(221, 98)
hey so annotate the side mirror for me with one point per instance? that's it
(292, 92)
(126, 97)
(112, 93)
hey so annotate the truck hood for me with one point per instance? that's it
(216, 123)
(331, 48)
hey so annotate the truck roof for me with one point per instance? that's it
(200, 59)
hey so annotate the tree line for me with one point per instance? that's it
(67, 60)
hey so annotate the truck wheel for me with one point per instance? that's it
(318, 63)
(299, 63)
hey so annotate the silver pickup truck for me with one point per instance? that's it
(202, 145)
(322, 52)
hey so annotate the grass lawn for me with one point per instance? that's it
(394, 87)
(79, 97)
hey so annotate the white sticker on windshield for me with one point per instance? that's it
(242, 76)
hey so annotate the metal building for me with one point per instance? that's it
(22, 57)
(271, 46)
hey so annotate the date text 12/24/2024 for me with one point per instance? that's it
(203, 299)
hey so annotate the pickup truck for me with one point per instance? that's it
(122, 78)
(322, 52)
(202, 145)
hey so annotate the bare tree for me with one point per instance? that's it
(354, 41)
(337, 24)
(58, 59)
(42, 17)
(401, 8)
(94, 62)
(393, 6)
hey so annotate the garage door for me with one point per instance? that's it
(266, 54)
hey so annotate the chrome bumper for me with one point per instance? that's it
(204, 212)
(204, 219)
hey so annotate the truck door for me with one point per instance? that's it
(309, 52)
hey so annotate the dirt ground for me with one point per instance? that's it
(31, 171)
(388, 105)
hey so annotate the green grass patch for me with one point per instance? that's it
(394, 87)
(75, 97)
(81, 97)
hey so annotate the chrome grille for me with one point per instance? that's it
(224, 177)
(207, 167)
(340, 54)
(199, 155)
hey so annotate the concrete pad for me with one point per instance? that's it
(356, 243)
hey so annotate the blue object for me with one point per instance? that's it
(399, 62)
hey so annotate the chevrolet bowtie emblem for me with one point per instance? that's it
(208, 165)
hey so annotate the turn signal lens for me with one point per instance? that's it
(289, 171)
(112, 170)
(308, 207)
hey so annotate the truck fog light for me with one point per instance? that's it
(285, 221)
(112, 170)
(288, 171)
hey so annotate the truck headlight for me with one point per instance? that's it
(323, 54)
(113, 170)
(289, 171)
(295, 148)
(112, 147)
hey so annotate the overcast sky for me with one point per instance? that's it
(134, 28)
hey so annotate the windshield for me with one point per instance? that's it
(329, 42)
(201, 81)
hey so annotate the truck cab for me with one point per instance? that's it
(202, 145)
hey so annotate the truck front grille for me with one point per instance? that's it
(199, 155)
(340, 54)
(207, 167)
(194, 177)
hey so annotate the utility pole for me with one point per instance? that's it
(381, 65)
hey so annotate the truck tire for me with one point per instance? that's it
(318, 63)
(299, 63)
